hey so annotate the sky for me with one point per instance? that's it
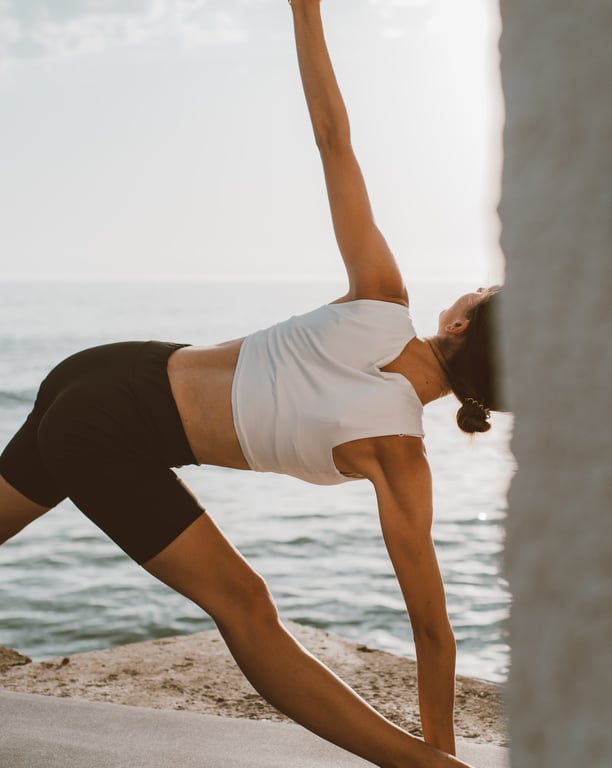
(163, 139)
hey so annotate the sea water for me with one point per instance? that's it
(66, 588)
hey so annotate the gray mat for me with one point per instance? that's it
(50, 732)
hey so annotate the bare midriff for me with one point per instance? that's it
(201, 383)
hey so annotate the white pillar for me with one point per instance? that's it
(556, 213)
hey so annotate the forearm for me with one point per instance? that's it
(325, 103)
(436, 680)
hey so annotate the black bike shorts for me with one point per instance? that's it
(104, 431)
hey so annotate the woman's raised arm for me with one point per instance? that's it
(372, 270)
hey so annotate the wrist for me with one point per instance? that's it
(443, 742)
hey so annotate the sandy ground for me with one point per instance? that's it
(197, 673)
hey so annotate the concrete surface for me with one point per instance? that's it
(51, 732)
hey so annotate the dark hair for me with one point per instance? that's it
(471, 366)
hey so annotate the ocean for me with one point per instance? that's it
(65, 588)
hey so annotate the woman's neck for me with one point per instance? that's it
(422, 364)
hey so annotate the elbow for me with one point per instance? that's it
(332, 140)
(437, 637)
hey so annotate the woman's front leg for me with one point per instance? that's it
(202, 565)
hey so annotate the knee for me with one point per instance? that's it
(260, 604)
(250, 604)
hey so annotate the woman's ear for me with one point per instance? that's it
(457, 327)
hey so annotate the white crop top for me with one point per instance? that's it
(313, 382)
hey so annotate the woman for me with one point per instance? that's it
(331, 396)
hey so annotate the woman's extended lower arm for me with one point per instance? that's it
(325, 104)
(436, 679)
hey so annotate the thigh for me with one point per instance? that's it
(140, 506)
(202, 564)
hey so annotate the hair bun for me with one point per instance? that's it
(473, 417)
